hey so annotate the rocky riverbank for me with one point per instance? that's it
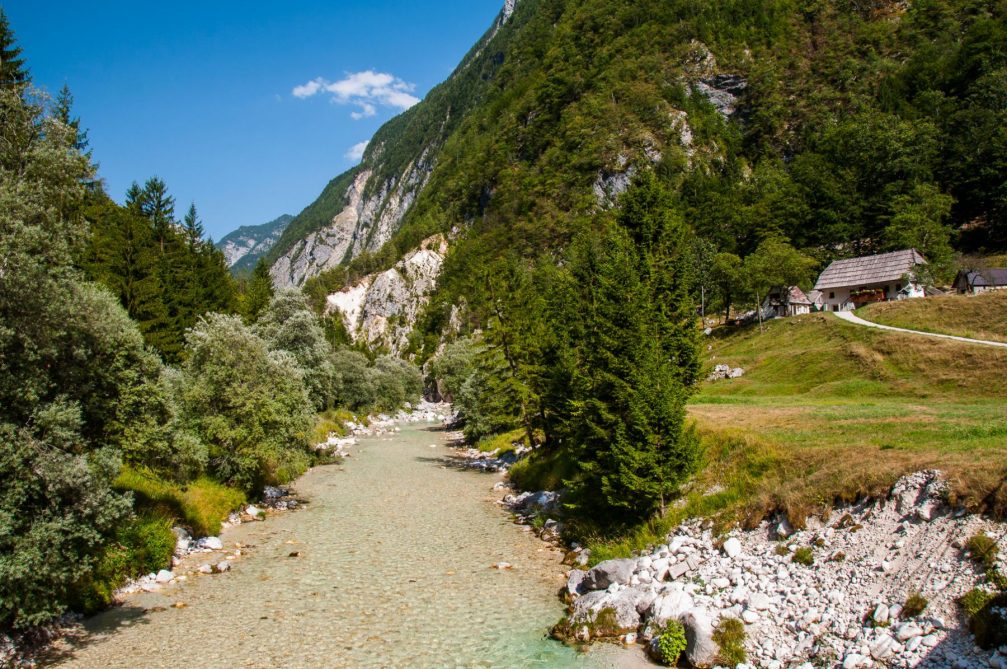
(837, 593)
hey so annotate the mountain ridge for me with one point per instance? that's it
(244, 246)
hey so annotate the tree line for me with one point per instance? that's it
(140, 386)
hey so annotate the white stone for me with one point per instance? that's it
(732, 547)
(213, 543)
(164, 576)
(750, 617)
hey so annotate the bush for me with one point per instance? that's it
(453, 367)
(145, 544)
(200, 505)
(289, 324)
(57, 511)
(671, 642)
(987, 618)
(914, 606)
(730, 638)
(983, 549)
(246, 403)
(804, 555)
(352, 382)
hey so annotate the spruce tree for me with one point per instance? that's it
(632, 324)
(258, 292)
(13, 73)
(64, 112)
(193, 228)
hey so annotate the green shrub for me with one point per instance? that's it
(144, 544)
(730, 638)
(974, 600)
(671, 642)
(543, 469)
(983, 549)
(804, 555)
(914, 606)
(987, 620)
(246, 403)
(57, 511)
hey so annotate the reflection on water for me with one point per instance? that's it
(394, 570)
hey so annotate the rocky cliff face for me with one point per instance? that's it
(363, 213)
(243, 247)
(382, 308)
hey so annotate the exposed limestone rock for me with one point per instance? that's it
(381, 309)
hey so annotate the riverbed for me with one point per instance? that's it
(390, 564)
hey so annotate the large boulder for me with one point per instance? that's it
(670, 606)
(701, 650)
(607, 614)
(575, 583)
(608, 572)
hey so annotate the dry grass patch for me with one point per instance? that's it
(982, 316)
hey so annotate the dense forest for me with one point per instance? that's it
(140, 387)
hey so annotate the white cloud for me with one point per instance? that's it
(365, 90)
(356, 152)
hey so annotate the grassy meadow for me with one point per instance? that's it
(828, 411)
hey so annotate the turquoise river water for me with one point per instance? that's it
(394, 569)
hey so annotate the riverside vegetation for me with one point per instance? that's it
(139, 387)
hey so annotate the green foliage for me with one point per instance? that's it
(985, 613)
(257, 293)
(804, 555)
(453, 366)
(671, 642)
(57, 510)
(201, 504)
(246, 403)
(288, 324)
(164, 274)
(730, 638)
(384, 385)
(983, 548)
(142, 545)
(13, 73)
(915, 605)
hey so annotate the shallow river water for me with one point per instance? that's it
(394, 570)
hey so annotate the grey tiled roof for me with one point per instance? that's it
(993, 276)
(869, 269)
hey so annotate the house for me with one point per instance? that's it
(782, 302)
(972, 281)
(848, 284)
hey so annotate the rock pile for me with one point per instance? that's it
(725, 372)
(382, 424)
(829, 595)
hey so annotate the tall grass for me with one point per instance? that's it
(201, 504)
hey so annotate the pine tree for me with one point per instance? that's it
(632, 325)
(258, 292)
(64, 112)
(13, 73)
(193, 228)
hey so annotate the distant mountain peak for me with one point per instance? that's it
(243, 247)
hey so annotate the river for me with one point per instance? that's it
(393, 569)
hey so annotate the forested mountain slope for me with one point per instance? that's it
(843, 127)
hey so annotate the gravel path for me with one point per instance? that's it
(850, 317)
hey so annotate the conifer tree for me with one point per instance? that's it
(64, 112)
(633, 325)
(193, 228)
(258, 292)
(13, 73)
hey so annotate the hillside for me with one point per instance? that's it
(820, 124)
(982, 316)
(827, 410)
(243, 247)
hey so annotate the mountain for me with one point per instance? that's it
(243, 247)
(844, 127)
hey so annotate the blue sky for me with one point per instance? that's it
(202, 94)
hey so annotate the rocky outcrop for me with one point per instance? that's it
(381, 309)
